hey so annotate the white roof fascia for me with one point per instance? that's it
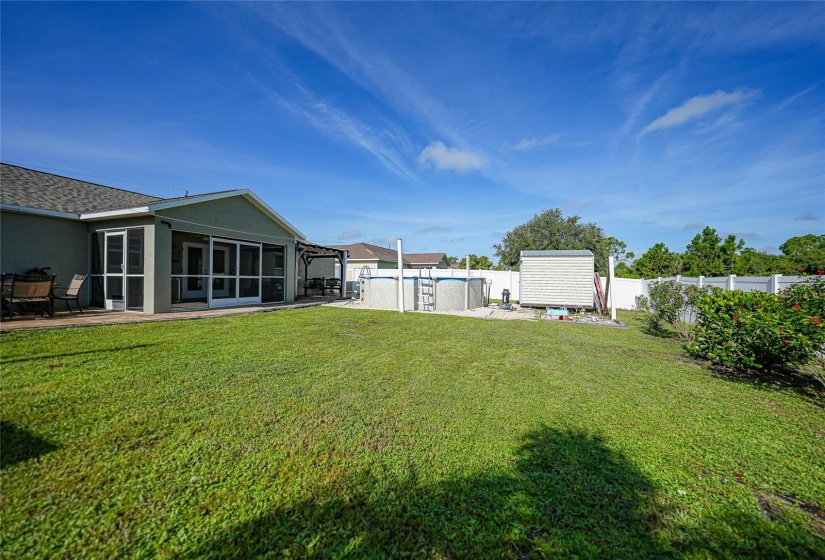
(194, 199)
(39, 211)
(115, 213)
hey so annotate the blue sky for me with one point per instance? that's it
(445, 124)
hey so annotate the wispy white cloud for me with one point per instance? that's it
(795, 97)
(530, 143)
(382, 144)
(348, 235)
(384, 241)
(696, 226)
(697, 107)
(639, 105)
(320, 29)
(445, 158)
(431, 229)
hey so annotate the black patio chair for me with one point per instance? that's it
(314, 284)
(73, 292)
(332, 286)
(29, 289)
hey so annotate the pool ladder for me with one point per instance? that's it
(426, 292)
(364, 273)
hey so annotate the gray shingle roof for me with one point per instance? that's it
(35, 189)
(365, 251)
(424, 258)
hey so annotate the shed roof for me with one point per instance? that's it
(424, 258)
(562, 253)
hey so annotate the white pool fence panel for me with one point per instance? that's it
(501, 279)
(625, 290)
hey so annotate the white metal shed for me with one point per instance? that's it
(557, 278)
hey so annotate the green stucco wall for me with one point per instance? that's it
(230, 218)
(28, 240)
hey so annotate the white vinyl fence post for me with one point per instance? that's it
(732, 282)
(700, 281)
(773, 285)
(400, 278)
(611, 279)
(467, 286)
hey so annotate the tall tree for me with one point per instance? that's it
(708, 255)
(623, 271)
(758, 263)
(477, 263)
(617, 248)
(657, 261)
(550, 230)
(806, 252)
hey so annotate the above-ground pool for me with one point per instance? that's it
(423, 294)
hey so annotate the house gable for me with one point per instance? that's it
(233, 217)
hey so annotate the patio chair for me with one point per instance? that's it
(332, 286)
(315, 284)
(73, 292)
(31, 290)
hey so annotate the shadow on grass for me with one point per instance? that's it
(18, 444)
(776, 380)
(660, 331)
(81, 353)
(567, 495)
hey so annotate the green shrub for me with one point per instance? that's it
(758, 330)
(808, 295)
(670, 303)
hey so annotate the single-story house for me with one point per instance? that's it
(151, 254)
(373, 256)
(427, 260)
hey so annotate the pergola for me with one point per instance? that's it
(306, 253)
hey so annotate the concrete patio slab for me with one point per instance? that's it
(95, 317)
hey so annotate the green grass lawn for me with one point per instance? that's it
(332, 432)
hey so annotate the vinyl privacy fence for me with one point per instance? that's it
(624, 290)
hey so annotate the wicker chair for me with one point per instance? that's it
(30, 290)
(73, 292)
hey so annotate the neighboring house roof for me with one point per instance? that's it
(568, 253)
(367, 252)
(425, 258)
(27, 190)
